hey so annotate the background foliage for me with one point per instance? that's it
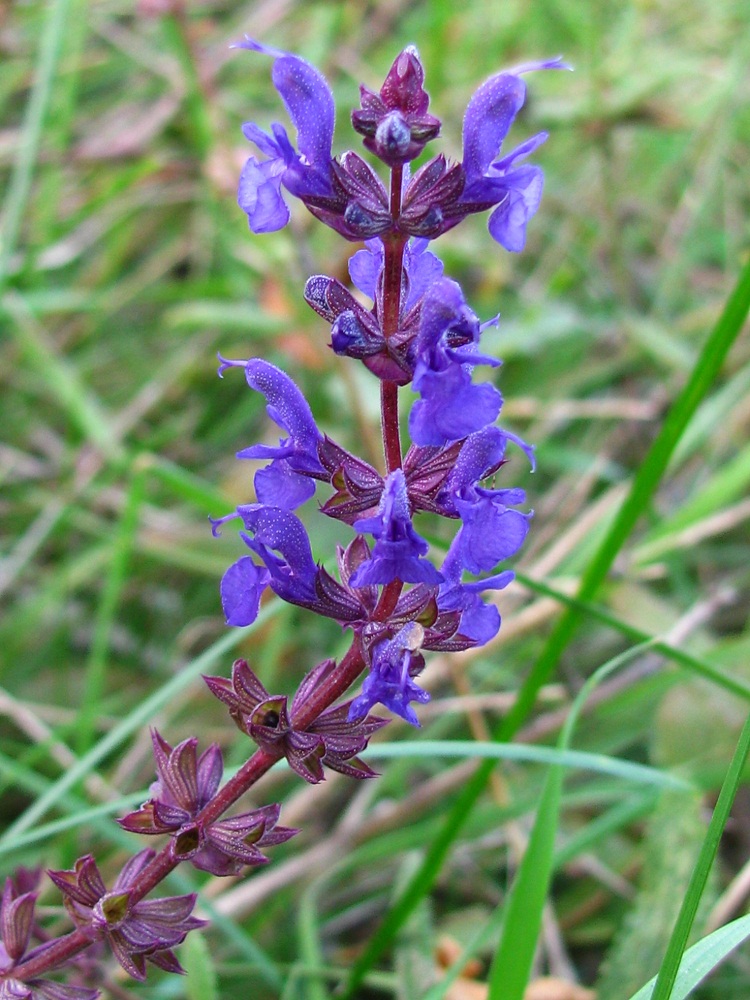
(126, 265)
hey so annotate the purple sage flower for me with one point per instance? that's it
(479, 622)
(393, 665)
(451, 405)
(306, 174)
(515, 190)
(147, 930)
(286, 481)
(281, 542)
(398, 552)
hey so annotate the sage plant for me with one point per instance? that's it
(396, 602)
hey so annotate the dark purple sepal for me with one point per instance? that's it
(366, 193)
(390, 367)
(350, 559)
(357, 484)
(185, 784)
(415, 605)
(241, 694)
(144, 821)
(234, 843)
(134, 931)
(16, 921)
(427, 469)
(357, 207)
(428, 206)
(335, 601)
(44, 989)
(441, 630)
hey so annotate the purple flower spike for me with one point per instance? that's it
(309, 101)
(286, 481)
(398, 549)
(136, 932)
(394, 663)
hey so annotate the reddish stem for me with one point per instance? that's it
(54, 956)
(393, 269)
(389, 425)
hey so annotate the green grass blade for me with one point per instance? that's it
(19, 188)
(511, 966)
(123, 546)
(702, 959)
(557, 756)
(645, 484)
(61, 377)
(665, 981)
(696, 664)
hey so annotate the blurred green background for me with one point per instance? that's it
(125, 266)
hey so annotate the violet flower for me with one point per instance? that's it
(479, 622)
(398, 552)
(138, 932)
(281, 542)
(286, 481)
(393, 665)
(515, 190)
(441, 194)
(306, 174)
(451, 406)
